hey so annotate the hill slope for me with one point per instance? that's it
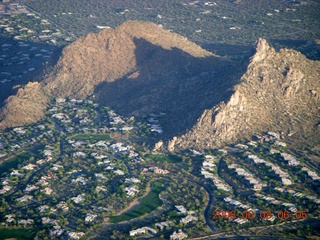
(280, 91)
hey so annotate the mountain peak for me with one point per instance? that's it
(273, 95)
(101, 63)
(262, 50)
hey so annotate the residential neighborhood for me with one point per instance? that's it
(78, 168)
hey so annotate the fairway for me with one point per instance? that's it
(164, 158)
(147, 204)
(13, 163)
(18, 233)
(97, 137)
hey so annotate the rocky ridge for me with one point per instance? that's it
(89, 61)
(279, 92)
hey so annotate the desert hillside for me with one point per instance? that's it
(279, 92)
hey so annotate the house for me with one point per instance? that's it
(162, 225)
(25, 221)
(131, 190)
(292, 161)
(24, 198)
(178, 235)
(119, 172)
(10, 218)
(240, 221)
(80, 180)
(75, 235)
(58, 100)
(47, 191)
(181, 209)
(29, 166)
(286, 181)
(80, 154)
(43, 208)
(274, 135)
(56, 231)
(19, 130)
(188, 219)
(100, 175)
(46, 220)
(90, 217)
(30, 188)
(78, 198)
(132, 180)
(63, 206)
(142, 230)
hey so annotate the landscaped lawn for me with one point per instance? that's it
(147, 204)
(13, 163)
(18, 233)
(164, 158)
(97, 137)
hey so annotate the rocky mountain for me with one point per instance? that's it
(280, 91)
(139, 68)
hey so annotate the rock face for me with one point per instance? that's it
(109, 55)
(278, 92)
(26, 107)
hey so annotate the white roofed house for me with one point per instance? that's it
(25, 221)
(24, 198)
(119, 172)
(188, 219)
(30, 166)
(162, 225)
(78, 198)
(47, 191)
(142, 230)
(181, 209)
(178, 235)
(75, 235)
(90, 217)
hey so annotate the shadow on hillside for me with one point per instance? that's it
(234, 52)
(16, 60)
(173, 82)
(308, 48)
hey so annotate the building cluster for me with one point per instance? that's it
(154, 124)
(115, 119)
(299, 194)
(135, 157)
(313, 175)
(257, 184)
(274, 201)
(190, 214)
(207, 170)
(236, 203)
(283, 175)
(292, 161)
(177, 235)
(131, 190)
